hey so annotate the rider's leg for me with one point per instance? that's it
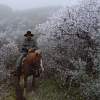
(19, 62)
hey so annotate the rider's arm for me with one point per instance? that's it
(34, 45)
(24, 46)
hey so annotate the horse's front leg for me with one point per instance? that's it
(25, 85)
(18, 78)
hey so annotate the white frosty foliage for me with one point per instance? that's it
(8, 52)
(65, 43)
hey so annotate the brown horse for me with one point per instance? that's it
(31, 65)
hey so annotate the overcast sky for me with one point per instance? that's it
(26, 4)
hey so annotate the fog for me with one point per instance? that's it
(27, 4)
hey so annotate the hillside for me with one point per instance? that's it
(16, 23)
(5, 11)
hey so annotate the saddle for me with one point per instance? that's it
(28, 51)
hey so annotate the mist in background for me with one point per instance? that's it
(27, 4)
(18, 16)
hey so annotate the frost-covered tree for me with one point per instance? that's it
(72, 33)
(8, 54)
(69, 42)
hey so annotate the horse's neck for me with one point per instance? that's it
(32, 58)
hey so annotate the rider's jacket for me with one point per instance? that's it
(27, 44)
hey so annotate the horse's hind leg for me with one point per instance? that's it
(33, 81)
(25, 82)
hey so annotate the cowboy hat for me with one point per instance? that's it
(28, 33)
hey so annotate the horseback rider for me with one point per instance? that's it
(28, 43)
